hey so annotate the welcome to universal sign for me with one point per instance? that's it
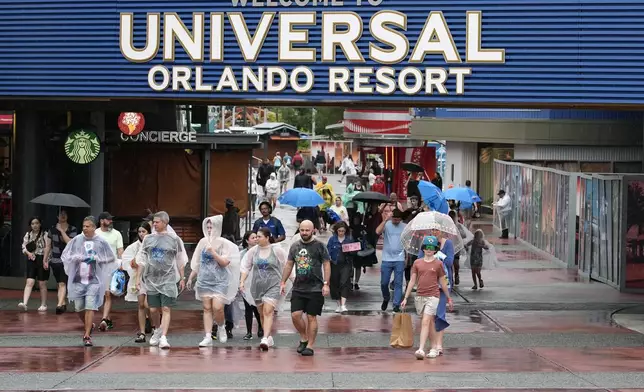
(376, 70)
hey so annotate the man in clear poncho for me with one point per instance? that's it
(163, 258)
(89, 263)
(215, 263)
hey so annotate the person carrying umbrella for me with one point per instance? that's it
(61, 234)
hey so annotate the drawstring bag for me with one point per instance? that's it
(118, 283)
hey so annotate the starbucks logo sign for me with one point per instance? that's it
(82, 147)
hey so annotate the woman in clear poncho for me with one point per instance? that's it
(215, 264)
(261, 274)
(135, 290)
(89, 263)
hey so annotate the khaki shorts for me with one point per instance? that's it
(426, 305)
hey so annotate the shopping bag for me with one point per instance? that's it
(117, 284)
(402, 333)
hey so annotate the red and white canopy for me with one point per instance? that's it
(379, 122)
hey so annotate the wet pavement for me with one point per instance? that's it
(535, 325)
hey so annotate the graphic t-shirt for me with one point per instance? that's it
(86, 272)
(308, 258)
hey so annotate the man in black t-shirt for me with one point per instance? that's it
(309, 257)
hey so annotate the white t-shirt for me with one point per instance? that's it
(372, 179)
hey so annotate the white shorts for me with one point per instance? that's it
(270, 196)
(426, 305)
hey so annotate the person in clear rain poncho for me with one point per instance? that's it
(135, 291)
(89, 263)
(215, 264)
(261, 273)
(163, 258)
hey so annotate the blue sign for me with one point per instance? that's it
(470, 52)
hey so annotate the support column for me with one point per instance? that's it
(27, 181)
(97, 168)
(205, 195)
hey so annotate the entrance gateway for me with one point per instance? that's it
(148, 57)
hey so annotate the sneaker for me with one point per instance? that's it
(344, 309)
(481, 283)
(433, 353)
(140, 338)
(42, 308)
(263, 345)
(206, 342)
(338, 309)
(163, 342)
(384, 305)
(475, 288)
(22, 306)
(87, 341)
(103, 325)
(59, 310)
(223, 337)
(307, 352)
(301, 347)
(248, 336)
(396, 309)
(439, 350)
(110, 324)
(156, 336)
(420, 354)
(356, 287)
(148, 326)
(229, 333)
(271, 343)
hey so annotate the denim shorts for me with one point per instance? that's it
(86, 303)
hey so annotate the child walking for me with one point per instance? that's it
(477, 244)
(429, 275)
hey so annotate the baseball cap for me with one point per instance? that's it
(105, 215)
(430, 242)
(230, 202)
(501, 192)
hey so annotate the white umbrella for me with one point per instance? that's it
(430, 223)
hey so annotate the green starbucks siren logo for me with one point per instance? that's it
(82, 147)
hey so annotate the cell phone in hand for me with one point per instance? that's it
(440, 256)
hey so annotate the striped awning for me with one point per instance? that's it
(379, 122)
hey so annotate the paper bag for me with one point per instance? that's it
(402, 333)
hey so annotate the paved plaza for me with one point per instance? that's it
(535, 325)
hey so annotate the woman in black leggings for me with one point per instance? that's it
(248, 241)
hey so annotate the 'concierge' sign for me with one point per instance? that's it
(394, 61)
(161, 137)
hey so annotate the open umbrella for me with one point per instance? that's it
(60, 200)
(301, 197)
(430, 223)
(462, 194)
(412, 167)
(369, 197)
(433, 197)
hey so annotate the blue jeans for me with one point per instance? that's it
(398, 269)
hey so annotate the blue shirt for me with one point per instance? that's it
(392, 249)
(274, 225)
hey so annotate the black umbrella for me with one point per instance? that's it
(368, 197)
(60, 200)
(412, 167)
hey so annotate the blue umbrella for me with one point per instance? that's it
(301, 197)
(463, 194)
(433, 197)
